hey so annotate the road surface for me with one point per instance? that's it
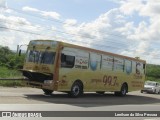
(33, 99)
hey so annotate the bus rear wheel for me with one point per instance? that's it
(47, 92)
(76, 90)
(123, 91)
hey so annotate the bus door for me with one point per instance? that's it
(66, 68)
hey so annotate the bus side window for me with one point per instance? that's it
(118, 64)
(128, 66)
(67, 61)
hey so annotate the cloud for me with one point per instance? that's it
(71, 22)
(13, 22)
(113, 32)
(27, 8)
(3, 3)
(4, 7)
(21, 24)
(151, 8)
(10, 37)
(129, 6)
(99, 33)
(49, 14)
(21, 31)
(53, 15)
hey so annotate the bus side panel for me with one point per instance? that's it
(99, 72)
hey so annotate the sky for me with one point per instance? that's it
(126, 27)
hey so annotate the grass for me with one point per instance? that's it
(11, 83)
(8, 73)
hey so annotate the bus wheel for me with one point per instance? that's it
(47, 92)
(76, 90)
(100, 92)
(123, 91)
(155, 91)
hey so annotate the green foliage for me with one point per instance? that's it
(15, 61)
(8, 73)
(10, 59)
(11, 83)
(153, 72)
(10, 62)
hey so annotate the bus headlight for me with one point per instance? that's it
(48, 81)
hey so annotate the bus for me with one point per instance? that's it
(58, 66)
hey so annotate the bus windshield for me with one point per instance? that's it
(43, 57)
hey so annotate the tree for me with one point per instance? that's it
(10, 59)
(153, 72)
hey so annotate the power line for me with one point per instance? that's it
(60, 37)
(58, 21)
(19, 30)
(93, 44)
(62, 22)
(108, 39)
(21, 12)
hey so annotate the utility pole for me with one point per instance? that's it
(17, 49)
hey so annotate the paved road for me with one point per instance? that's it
(19, 95)
(26, 99)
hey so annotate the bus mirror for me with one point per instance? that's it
(20, 52)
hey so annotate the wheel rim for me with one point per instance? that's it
(124, 90)
(76, 90)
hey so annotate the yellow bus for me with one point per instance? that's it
(59, 66)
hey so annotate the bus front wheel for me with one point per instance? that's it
(47, 92)
(76, 90)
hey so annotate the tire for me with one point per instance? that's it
(47, 92)
(155, 91)
(100, 92)
(123, 91)
(76, 90)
